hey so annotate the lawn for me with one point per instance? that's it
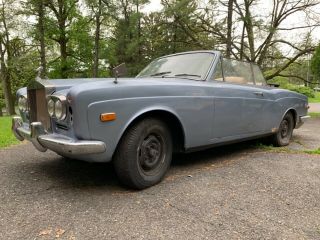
(6, 136)
(316, 151)
(316, 99)
(314, 114)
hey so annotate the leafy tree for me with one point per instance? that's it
(315, 63)
(8, 18)
(60, 20)
(126, 44)
(37, 9)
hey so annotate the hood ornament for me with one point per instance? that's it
(119, 71)
(39, 73)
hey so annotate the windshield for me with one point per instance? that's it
(190, 65)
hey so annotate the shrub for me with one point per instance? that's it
(302, 89)
(284, 83)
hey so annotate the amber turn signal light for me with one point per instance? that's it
(106, 117)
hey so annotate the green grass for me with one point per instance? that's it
(316, 151)
(316, 99)
(314, 114)
(6, 136)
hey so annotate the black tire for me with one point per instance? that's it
(144, 154)
(284, 133)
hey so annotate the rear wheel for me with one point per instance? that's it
(144, 154)
(284, 134)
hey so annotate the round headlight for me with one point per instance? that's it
(59, 110)
(51, 107)
(22, 103)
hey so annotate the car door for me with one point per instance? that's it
(239, 105)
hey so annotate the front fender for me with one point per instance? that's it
(190, 111)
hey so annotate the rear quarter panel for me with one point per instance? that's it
(287, 100)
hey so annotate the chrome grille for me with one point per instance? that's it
(38, 105)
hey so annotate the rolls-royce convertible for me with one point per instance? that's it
(178, 103)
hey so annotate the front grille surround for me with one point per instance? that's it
(36, 93)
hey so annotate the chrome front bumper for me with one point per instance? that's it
(58, 143)
(301, 121)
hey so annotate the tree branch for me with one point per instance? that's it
(276, 73)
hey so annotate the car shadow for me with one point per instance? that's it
(214, 155)
(67, 173)
(49, 171)
(79, 174)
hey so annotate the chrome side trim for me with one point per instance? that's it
(55, 142)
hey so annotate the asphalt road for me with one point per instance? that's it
(237, 192)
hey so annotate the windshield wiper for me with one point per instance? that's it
(159, 74)
(187, 75)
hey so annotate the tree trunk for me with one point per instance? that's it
(41, 39)
(249, 28)
(97, 42)
(229, 28)
(63, 39)
(63, 56)
(242, 42)
(138, 28)
(6, 84)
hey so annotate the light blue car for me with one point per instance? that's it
(178, 103)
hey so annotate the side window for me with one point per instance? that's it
(237, 72)
(258, 76)
(218, 76)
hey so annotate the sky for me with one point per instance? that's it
(154, 5)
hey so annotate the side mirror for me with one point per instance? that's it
(119, 71)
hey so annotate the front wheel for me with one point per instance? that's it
(144, 154)
(284, 134)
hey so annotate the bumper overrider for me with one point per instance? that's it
(302, 120)
(61, 144)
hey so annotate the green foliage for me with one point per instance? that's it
(6, 136)
(127, 34)
(2, 104)
(314, 114)
(316, 98)
(22, 64)
(284, 83)
(315, 62)
(302, 89)
(316, 151)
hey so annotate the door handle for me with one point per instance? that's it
(258, 93)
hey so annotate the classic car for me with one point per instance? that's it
(179, 103)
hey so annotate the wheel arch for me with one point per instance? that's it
(168, 117)
(294, 115)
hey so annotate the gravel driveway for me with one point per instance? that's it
(236, 192)
(314, 107)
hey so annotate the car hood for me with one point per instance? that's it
(62, 86)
